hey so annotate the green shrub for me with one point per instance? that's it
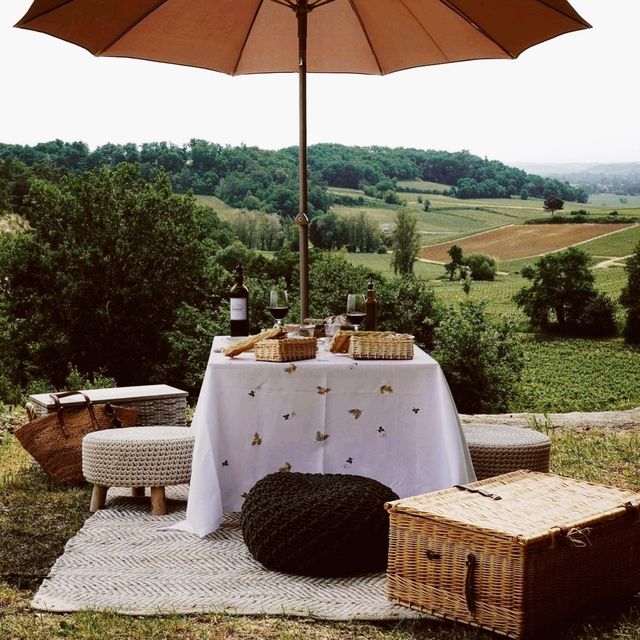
(596, 318)
(409, 306)
(482, 361)
(482, 267)
(75, 380)
(630, 298)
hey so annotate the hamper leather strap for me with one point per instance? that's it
(469, 583)
(60, 409)
(482, 492)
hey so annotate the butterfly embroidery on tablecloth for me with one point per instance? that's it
(356, 413)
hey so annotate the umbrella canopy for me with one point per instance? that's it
(334, 36)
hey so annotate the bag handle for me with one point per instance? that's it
(60, 409)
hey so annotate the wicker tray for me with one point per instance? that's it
(389, 346)
(286, 349)
(516, 554)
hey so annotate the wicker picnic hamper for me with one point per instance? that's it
(381, 346)
(286, 349)
(514, 554)
(158, 404)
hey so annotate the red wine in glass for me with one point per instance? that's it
(278, 305)
(356, 310)
(279, 313)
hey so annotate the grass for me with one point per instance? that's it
(37, 517)
(615, 245)
(612, 201)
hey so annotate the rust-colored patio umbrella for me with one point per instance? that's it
(333, 36)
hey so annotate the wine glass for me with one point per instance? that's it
(278, 305)
(356, 309)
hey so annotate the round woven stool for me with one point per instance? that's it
(497, 449)
(312, 524)
(137, 457)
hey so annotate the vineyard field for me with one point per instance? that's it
(563, 375)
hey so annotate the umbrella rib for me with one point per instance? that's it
(44, 13)
(426, 31)
(131, 27)
(249, 30)
(476, 26)
(566, 15)
(366, 35)
(320, 3)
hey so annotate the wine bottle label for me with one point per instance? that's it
(238, 308)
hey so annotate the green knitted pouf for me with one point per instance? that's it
(318, 524)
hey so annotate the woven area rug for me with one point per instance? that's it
(123, 560)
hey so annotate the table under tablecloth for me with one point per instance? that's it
(394, 421)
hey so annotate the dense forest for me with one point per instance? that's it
(262, 180)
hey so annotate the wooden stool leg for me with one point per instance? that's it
(158, 505)
(98, 497)
(137, 492)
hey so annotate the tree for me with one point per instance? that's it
(630, 298)
(457, 260)
(406, 242)
(524, 193)
(482, 361)
(553, 204)
(562, 289)
(99, 278)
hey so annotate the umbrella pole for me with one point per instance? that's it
(302, 219)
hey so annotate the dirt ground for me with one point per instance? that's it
(629, 419)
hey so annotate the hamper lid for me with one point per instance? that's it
(522, 504)
(114, 394)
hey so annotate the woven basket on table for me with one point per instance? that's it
(342, 339)
(390, 346)
(286, 349)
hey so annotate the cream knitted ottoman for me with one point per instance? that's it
(497, 449)
(137, 457)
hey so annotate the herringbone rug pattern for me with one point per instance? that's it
(124, 560)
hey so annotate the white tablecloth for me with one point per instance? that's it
(394, 421)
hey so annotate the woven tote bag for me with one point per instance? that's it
(55, 440)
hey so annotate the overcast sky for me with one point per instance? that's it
(573, 99)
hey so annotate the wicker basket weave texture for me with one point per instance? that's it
(138, 456)
(549, 549)
(497, 449)
(156, 411)
(286, 349)
(381, 346)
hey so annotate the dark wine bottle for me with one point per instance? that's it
(239, 305)
(371, 308)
